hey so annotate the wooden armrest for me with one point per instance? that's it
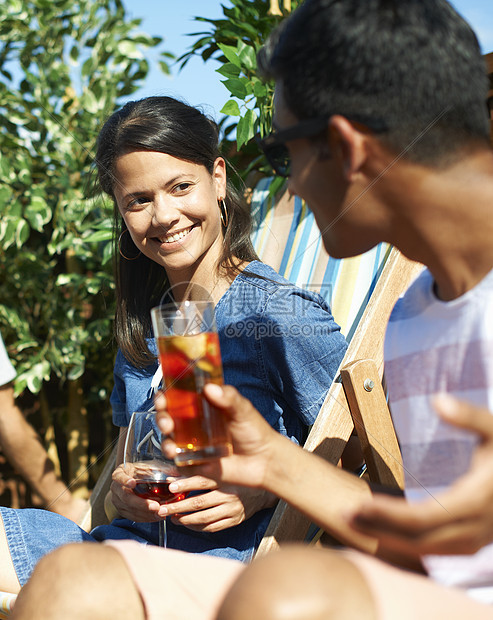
(373, 423)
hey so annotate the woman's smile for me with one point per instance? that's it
(175, 236)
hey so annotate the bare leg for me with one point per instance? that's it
(80, 581)
(401, 594)
(303, 583)
(8, 576)
(299, 583)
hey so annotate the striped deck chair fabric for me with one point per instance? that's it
(287, 238)
(6, 603)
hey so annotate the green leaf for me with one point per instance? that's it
(38, 213)
(99, 235)
(229, 70)
(5, 168)
(231, 54)
(35, 375)
(5, 196)
(231, 107)
(88, 67)
(76, 372)
(24, 176)
(259, 90)
(63, 279)
(247, 56)
(146, 39)
(74, 53)
(33, 383)
(164, 66)
(237, 87)
(21, 233)
(27, 344)
(129, 49)
(90, 102)
(8, 226)
(245, 130)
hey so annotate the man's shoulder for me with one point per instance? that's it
(415, 299)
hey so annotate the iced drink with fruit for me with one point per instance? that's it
(190, 357)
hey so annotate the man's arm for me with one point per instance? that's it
(264, 458)
(24, 450)
(460, 520)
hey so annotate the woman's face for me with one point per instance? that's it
(170, 208)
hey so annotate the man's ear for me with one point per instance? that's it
(349, 144)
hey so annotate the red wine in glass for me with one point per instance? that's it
(144, 462)
(158, 490)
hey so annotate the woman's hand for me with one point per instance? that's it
(128, 504)
(217, 508)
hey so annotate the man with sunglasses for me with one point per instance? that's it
(380, 124)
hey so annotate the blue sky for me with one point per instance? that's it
(198, 83)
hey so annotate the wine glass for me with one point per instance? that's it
(144, 461)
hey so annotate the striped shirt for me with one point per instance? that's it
(433, 347)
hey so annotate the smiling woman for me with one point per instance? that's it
(159, 160)
(184, 234)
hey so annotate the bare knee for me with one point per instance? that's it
(299, 583)
(79, 581)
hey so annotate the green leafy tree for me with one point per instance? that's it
(234, 41)
(64, 66)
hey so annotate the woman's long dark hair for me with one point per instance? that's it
(165, 125)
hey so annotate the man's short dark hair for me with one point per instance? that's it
(415, 64)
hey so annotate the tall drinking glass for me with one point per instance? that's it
(144, 461)
(190, 357)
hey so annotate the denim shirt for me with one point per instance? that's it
(281, 349)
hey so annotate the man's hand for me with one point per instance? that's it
(252, 437)
(225, 504)
(264, 458)
(459, 520)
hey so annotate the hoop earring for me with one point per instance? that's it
(224, 213)
(120, 246)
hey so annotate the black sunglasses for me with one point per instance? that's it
(274, 145)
